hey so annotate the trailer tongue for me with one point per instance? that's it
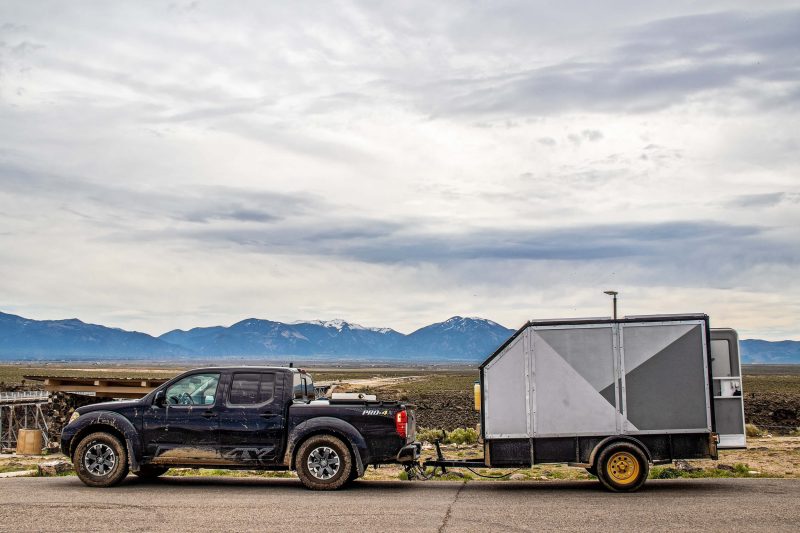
(612, 396)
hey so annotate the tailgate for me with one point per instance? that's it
(411, 428)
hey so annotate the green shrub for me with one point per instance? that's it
(457, 436)
(665, 473)
(463, 436)
(430, 435)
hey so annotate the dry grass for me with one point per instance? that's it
(13, 374)
(768, 384)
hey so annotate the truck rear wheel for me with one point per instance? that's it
(324, 463)
(622, 467)
(101, 460)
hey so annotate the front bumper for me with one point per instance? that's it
(409, 453)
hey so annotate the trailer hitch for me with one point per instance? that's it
(439, 455)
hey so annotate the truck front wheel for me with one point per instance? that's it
(324, 463)
(101, 460)
(622, 467)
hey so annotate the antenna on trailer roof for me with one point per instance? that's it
(291, 364)
(614, 294)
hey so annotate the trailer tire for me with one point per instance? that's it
(622, 467)
(101, 460)
(324, 462)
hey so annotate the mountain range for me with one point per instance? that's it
(455, 339)
(461, 339)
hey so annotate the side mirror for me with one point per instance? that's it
(159, 399)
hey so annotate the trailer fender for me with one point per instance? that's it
(110, 422)
(618, 438)
(332, 426)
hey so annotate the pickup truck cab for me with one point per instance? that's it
(253, 418)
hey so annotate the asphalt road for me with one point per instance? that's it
(209, 504)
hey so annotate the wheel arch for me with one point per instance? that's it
(335, 427)
(614, 439)
(114, 424)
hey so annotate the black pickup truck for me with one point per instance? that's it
(253, 418)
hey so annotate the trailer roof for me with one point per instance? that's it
(600, 320)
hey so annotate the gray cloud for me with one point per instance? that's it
(659, 64)
(666, 246)
(764, 200)
(199, 204)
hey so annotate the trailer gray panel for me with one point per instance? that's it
(572, 366)
(505, 392)
(666, 379)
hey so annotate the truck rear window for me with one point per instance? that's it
(251, 388)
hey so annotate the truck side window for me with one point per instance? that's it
(197, 389)
(251, 388)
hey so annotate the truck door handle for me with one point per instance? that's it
(267, 415)
(209, 414)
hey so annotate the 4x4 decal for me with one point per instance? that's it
(258, 455)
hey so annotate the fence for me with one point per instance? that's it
(21, 410)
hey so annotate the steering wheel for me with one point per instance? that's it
(185, 399)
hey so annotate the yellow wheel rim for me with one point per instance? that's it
(623, 468)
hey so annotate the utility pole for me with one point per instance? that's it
(614, 295)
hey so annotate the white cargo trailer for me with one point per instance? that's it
(613, 396)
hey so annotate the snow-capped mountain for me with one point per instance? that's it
(254, 336)
(456, 339)
(457, 335)
(463, 339)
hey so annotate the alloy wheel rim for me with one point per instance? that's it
(100, 459)
(323, 463)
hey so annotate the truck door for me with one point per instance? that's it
(185, 429)
(252, 418)
(727, 382)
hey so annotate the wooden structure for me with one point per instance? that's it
(104, 387)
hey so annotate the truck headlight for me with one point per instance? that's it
(74, 417)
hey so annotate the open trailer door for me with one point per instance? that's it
(726, 372)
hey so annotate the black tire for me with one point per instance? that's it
(151, 472)
(622, 467)
(324, 462)
(100, 460)
(352, 477)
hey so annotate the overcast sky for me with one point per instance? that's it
(397, 163)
